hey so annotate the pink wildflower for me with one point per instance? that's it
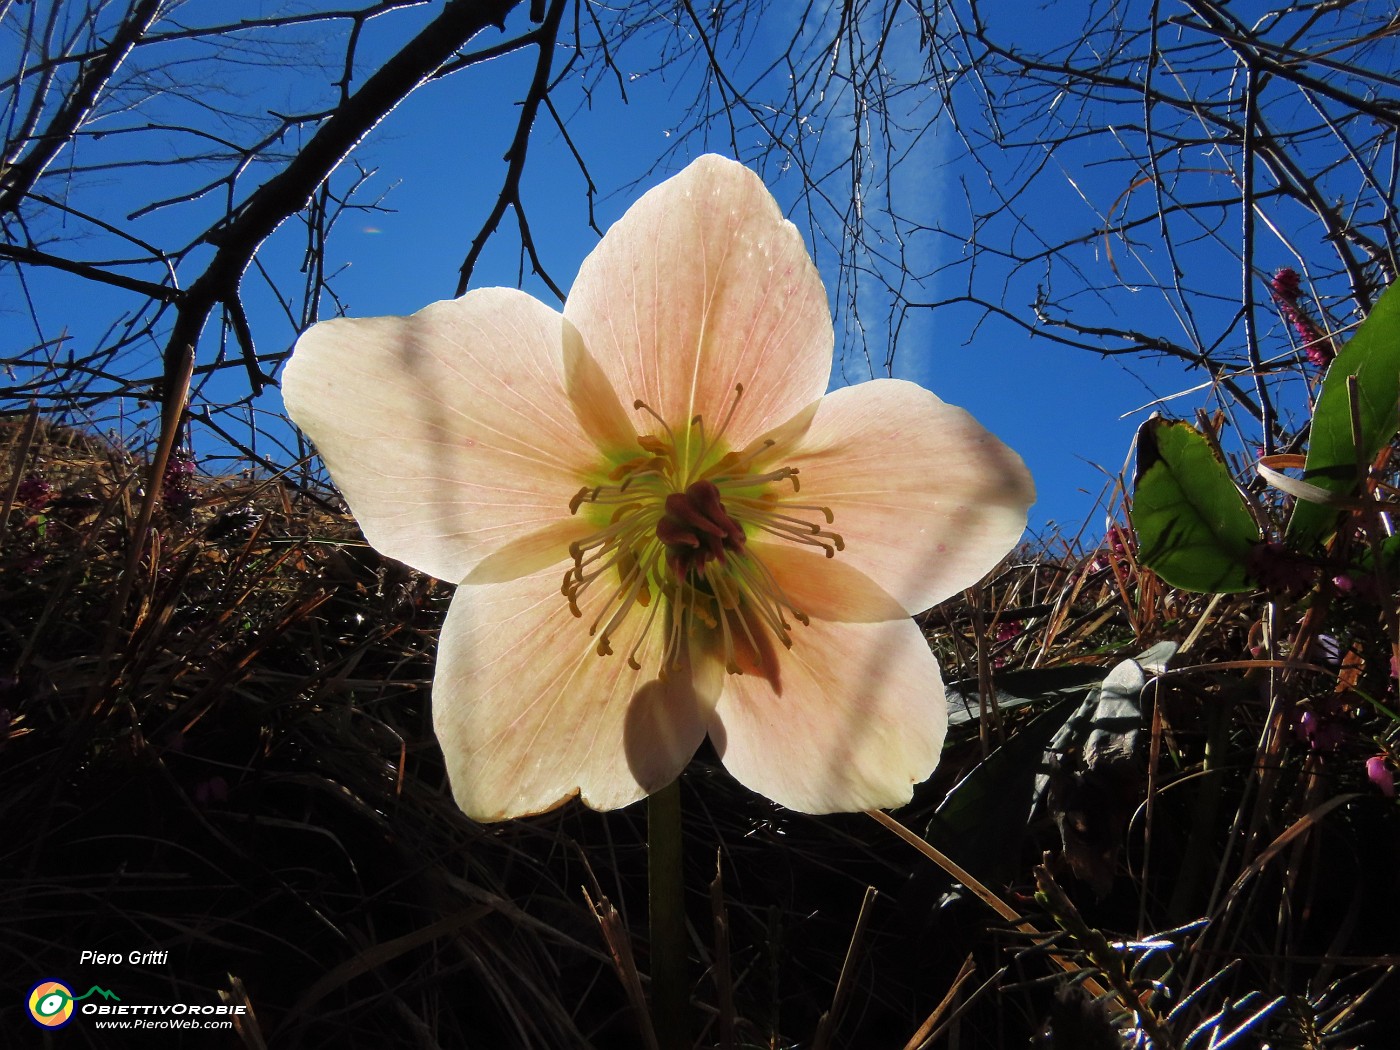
(1378, 772)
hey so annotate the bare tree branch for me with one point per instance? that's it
(287, 193)
(22, 173)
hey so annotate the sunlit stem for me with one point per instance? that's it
(670, 986)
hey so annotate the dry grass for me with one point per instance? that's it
(217, 743)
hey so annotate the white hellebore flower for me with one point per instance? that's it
(660, 527)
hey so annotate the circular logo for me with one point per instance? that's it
(50, 1004)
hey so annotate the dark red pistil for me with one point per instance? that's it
(696, 529)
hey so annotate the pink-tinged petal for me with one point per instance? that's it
(769, 447)
(449, 432)
(528, 554)
(825, 588)
(701, 286)
(595, 401)
(926, 499)
(859, 719)
(529, 715)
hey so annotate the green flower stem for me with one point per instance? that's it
(670, 989)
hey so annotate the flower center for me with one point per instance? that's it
(674, 520)
(696, 529)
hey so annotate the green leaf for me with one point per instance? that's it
(1373, 357)
(1192, 524)
(983, 820)
(1390, 557)
(1016, 689)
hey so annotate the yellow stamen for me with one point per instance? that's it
(674, 522)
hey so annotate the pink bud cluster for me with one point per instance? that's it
(34, 493)
(1119, 547)
(1009, 629)
(176, 494)
(1286, 289)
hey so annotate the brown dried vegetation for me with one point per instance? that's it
(236, 765)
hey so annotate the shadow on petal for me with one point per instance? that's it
(662, 731)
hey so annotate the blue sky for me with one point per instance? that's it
(437, 163)
(441, 152)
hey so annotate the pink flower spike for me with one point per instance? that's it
(660, 527)
(1286, 285)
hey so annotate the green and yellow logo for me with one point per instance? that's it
(51, 1002)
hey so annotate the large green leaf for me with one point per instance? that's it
(1193, 527)
(1373, 357)
(1034, 686)
(983, 820)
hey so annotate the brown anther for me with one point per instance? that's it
(623, 469)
